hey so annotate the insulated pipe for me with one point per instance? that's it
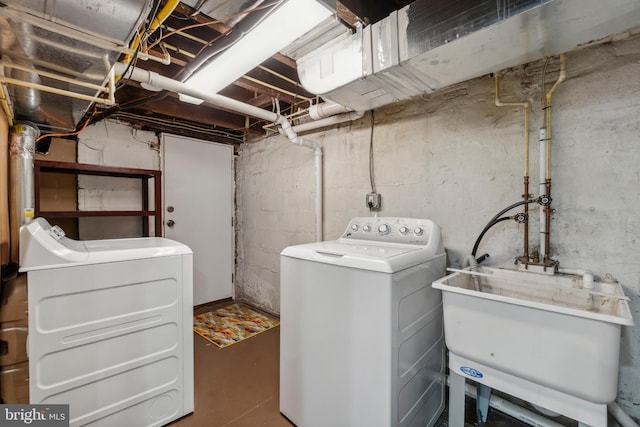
(333, 120)
(326, 109)
(21, 182)
(547, 209)
(525, 194)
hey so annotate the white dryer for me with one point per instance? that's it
(361, 335)
(110, 326)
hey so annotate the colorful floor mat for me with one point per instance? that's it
(231, 324)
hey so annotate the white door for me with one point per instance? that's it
(198, 210)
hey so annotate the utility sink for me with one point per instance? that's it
(548, 330)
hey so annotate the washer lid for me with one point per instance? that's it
(45, 247)
(365, 255)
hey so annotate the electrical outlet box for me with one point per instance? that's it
(374, 200)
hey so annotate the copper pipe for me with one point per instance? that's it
(547, 213)
(525, 196)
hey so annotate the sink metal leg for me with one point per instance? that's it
(483, 393)
(456, 400)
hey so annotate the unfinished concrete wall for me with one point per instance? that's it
(111, 143)
(456, 158)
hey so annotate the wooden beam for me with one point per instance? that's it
(260, 100)
(171, 106)
(345, 14)
(185, 10)
(285, 60)
(265, 90)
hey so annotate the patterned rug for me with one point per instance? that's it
(231, 324)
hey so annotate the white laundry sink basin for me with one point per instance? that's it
(545, 329)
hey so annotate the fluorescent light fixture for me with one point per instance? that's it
(289, 21)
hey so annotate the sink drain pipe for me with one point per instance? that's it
(156, 80)
(620, 416)
(287, 130)
(513, 410)
(534, 419)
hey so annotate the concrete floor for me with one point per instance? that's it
(238, 385)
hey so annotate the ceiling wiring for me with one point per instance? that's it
(179, 124)
(85, 123)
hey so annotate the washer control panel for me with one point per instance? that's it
(389, 229)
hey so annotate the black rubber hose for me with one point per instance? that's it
(496, 219)
(484, 231)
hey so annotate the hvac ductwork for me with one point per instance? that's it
(22, 196)
(431, 44)
(62, 46)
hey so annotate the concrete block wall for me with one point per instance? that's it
(111, 143)
(456, 158)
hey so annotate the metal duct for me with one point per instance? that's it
(431, 44)
(21, 198)
(75, 40)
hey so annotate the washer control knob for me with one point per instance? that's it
(404, 230)
(418, 231)
(366, 228)
(384, 229)
(354, 227)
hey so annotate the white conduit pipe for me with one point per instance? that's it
(287, 130)
(621, 417)
(513, 410)
(333, 120)
(154, 79)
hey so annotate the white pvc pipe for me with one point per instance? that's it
(513, 410)
(326, 109)
(156, 80)
(587, 276)
(287, 130)
(621, 417)
(542, 189)
(333, 120)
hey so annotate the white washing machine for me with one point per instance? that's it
(361, 332)
(110, 326)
